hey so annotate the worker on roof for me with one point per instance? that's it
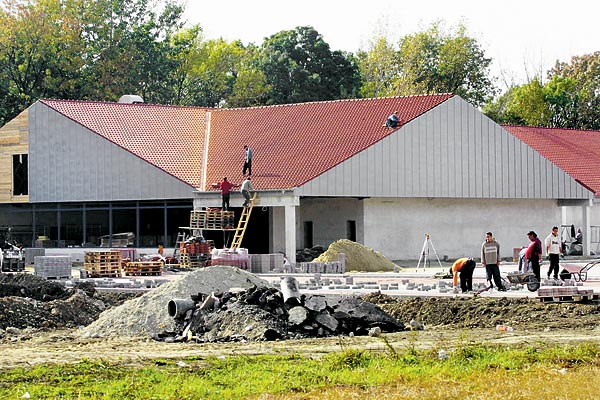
(247, 160)
(225, 187)
(246, 189)
(463, 268)
(393, 120)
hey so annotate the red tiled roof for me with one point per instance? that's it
(292, 143)
(577, 152)
(295, 143)
(172, 138)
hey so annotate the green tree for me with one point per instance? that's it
(434, 61)
(378, 68)
(40, 52)
(128, 48)
(574, 92)
(300, 66)
(251, 88)
(569, 99)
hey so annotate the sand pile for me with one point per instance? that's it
(148, 315)
(358, 257)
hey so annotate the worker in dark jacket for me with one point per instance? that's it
(463, 268)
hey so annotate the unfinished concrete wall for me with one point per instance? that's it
(457, 227)
(329, 217)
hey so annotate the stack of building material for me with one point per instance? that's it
(566, 294)
(143, 268)
(331, 267)
(265, 263)
(53, 267)
(103, 264)
(31, 253)
(211, 218)
(238, 258)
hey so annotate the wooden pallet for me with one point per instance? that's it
(212, 219)
(575, 298)
(187, 260)
(143, 268)
(103, 264)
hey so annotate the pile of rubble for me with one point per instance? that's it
(262, 313)
(222, 303)
(148, 315)
(309, 254)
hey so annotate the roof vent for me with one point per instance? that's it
(131, 99)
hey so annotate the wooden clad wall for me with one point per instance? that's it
(14, 139)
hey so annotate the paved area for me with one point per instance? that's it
(407, 281)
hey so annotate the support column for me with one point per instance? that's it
(585, 228)
(290, 233)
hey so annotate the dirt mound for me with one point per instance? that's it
(358, 257)
(148, 314)
(34, 303)
(31, 286)
(477, 312)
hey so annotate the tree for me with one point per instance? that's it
(569, 99)
(433, 61)
(574, 92)
(299, 66)
(378, 68)
(128, 47)
(40, 52)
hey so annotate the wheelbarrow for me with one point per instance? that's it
(524, 278)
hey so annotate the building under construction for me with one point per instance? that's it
(78, 171)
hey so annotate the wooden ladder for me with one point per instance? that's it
(242, 224)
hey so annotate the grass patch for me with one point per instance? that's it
(466, 370)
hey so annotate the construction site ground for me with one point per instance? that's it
(449, 320)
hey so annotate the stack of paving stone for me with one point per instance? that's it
(53, 267)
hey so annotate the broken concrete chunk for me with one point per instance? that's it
(297, 315)
(315, 303)
(327, 321)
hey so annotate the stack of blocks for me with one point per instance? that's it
(265, 263)
(53, 267)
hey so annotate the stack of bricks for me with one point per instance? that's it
(564, 291)
(53, 267)
(265, 263)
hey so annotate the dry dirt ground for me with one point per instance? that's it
(39, 323)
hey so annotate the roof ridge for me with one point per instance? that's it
(113, 103)
(449, 94)
(551, 128)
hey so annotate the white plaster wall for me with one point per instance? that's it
(329, 216)
(457, 227)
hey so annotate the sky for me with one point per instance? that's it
(523, 38)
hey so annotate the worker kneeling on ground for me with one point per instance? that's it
(463, 267)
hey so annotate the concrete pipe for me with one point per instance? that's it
(290, 288)
(178, 307)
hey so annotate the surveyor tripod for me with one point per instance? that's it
(427, 246)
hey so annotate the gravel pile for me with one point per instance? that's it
(148, 314)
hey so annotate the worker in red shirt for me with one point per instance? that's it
(225, 187)
(463, 267)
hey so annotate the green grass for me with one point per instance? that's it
(471, 371)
